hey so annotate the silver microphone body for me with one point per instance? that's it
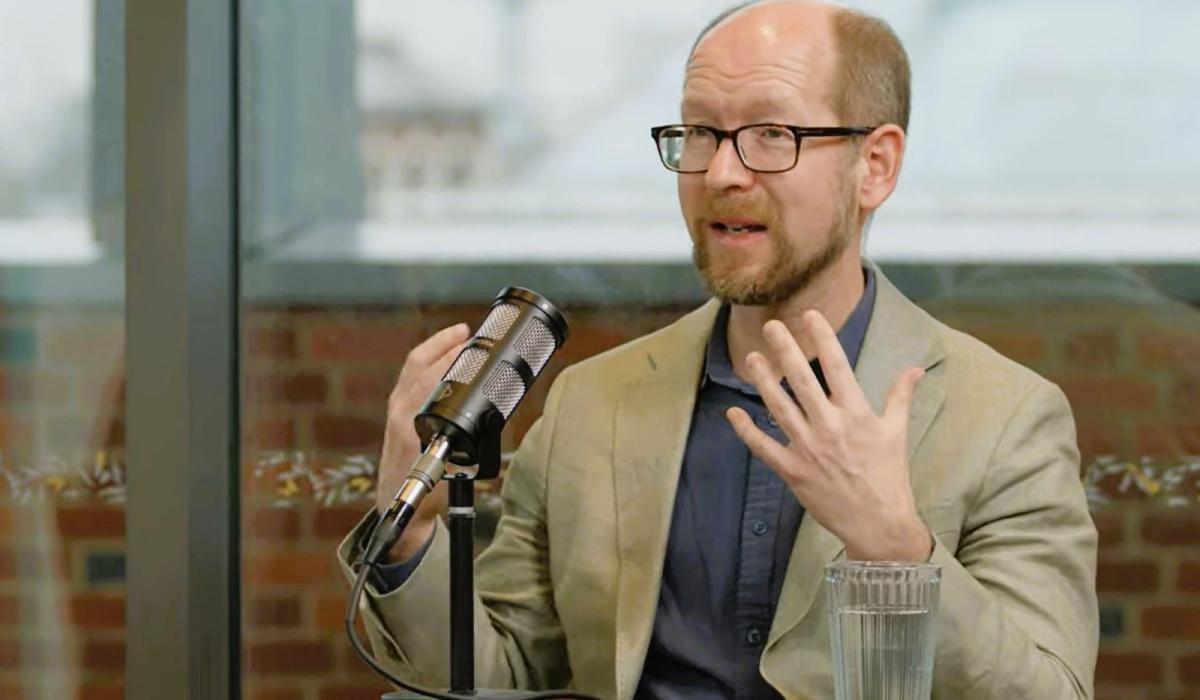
(461, 421)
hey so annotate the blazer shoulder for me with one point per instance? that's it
(974, 366)
(678, 341)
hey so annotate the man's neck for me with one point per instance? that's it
(835, 292)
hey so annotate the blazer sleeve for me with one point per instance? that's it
(1018, 613)
(519, 641)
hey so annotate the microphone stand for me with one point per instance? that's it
(462, 598)
(461, 524)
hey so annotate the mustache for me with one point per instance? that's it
(723, 207)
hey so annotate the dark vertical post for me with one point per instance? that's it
(181, 337)
(462, 583)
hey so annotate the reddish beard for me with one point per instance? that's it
(788, 273)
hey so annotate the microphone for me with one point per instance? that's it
(461, 421)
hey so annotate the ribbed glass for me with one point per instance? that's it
(881, 628)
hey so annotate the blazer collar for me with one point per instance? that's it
(652, 422)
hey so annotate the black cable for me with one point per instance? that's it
(360, 584)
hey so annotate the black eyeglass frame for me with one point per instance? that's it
(799, 132)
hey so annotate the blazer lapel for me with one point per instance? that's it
(899, 336)
(652, 422)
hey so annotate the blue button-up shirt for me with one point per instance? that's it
(731, 534)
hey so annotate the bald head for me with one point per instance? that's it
(865, 70)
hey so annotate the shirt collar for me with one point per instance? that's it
(719, 369)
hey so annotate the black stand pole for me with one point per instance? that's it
(462, 598)
(462, 584)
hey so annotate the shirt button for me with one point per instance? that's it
(759, 527)
(754, 636)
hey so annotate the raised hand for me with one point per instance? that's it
(845, 464)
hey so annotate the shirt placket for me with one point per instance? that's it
(759, 528)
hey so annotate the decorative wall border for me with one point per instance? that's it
(291, 477)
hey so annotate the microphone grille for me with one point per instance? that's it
(467, 366)
(497, 323)
(504, 388)
(536, 345)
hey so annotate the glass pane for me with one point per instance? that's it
(402, 162)
(62, 377)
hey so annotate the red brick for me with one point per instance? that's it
(1129, 668)
(8, 564)
(270, 344)
(371, 388)
(1172, 529)
(104, 656)
(301, 568)
(1098, 393)
(1099, 435)
(1160, 439)
(277, 694)
(589, 339)
(101, 692)
(10, 654)
(291, 657)
(331, 613)
(1021, 346)
(388, 344)
(272, 434)
(1189, 577)
(6, 522)
(275, 612)
(1171, 622)
(1094, 350)
(1185, 396)
(275, 524)
(335, 523)
(1168, 347)
(348, 432)
(11, 611)
(12, 692)
(98, 612)
(1116, 576)
(344, 691)
(91, 522)
(296, 388)
(1110, 527)
(1189, 669)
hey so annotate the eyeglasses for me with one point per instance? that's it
(763, 148)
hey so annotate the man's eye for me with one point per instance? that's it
(772, 132)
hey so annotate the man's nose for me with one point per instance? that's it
(726, 170)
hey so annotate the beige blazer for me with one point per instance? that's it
(566, 594)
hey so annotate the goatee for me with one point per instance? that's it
(787, 275)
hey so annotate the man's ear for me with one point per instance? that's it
(880, 158)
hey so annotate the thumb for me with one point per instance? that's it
(900, 396)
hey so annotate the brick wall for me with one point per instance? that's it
(315, 384)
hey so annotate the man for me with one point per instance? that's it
(667, 521)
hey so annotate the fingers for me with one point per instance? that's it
(762, 445)
(437, 345)
(839, 375)
(900, 396)
(431, 352)
(429, 379)
(785, 410)
(795, 367)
